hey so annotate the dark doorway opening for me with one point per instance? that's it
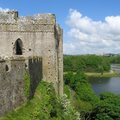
(18, 47)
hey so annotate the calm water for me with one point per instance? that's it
(100, 85)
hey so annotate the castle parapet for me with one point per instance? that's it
(8, 16)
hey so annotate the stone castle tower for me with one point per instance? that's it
(33, 38)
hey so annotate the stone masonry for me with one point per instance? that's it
(34, 43)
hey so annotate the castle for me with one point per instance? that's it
(32, 43)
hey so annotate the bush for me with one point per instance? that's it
(108, 108)
(84, 97)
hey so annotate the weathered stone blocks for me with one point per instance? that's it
(35, 42)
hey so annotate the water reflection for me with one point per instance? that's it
(100, 85)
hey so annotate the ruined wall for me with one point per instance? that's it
(59, 35)
(34, 69)
(40, 36)
(11, 84)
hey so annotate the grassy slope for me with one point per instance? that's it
(32, 109)
(80, 105)
(45, 105)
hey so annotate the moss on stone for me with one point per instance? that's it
(26, 84)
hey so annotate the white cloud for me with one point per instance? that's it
(89, 36)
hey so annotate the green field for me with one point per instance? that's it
(95, 74)
(106, 74)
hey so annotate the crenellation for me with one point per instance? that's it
(10, 21)
(8, 16)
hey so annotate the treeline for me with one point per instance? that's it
(106, 106)
(91, 107)
(87, 63)
(115, 59)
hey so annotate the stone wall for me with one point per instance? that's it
(59, 35)
(28, 37)
(35, 72)
(11, 84)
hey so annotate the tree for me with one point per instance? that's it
(108, 108)
(101, 69)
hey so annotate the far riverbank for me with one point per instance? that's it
(105, 74)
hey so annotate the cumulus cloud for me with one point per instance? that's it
(87, 36)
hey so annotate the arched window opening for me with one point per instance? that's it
(18, 47)
(6, 67)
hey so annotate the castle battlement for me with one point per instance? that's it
(10, 21)
(11, 17)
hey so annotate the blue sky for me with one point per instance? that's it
(94, 10)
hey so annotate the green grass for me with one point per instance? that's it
(95, 74)
(45, 105)
(80, 105)
(35, 109)
(105, 74)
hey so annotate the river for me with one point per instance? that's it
(100, 85)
